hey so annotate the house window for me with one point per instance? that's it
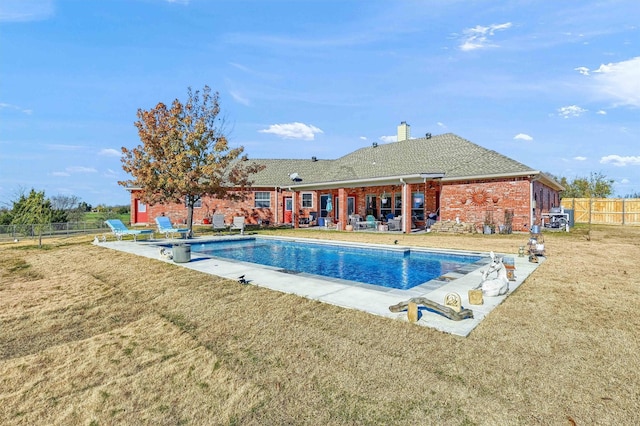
(372, 205)
(196, 205)
(417, 206)
(351, 205)
(262, 200)
(397, 204)
(307, 200)
(386, 202)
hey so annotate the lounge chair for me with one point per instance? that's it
(166, 227)
(218, 223)
(238, 223)
(119, 229)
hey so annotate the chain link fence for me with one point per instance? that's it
(19, 232)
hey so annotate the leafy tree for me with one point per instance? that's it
(185, 155)
(84, 207)
(595, 186)
(5, 216)
(34, 210)
(122, 209)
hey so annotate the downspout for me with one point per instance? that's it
(532, 202)
(277, 202)
(404, 205)
(531, 206)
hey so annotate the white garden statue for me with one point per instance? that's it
(494, 286)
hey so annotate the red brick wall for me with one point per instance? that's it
(472, 201)
(178, 212)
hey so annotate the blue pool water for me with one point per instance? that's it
(401, 269)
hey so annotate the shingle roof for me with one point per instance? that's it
(452, 155)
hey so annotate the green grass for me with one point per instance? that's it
(100, 216)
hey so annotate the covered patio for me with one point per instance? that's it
(393, 203)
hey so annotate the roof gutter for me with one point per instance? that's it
(535, 175)
(378, 181)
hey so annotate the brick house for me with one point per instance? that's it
(410, 178)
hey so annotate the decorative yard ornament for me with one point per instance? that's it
(165, 254)
(494, 286)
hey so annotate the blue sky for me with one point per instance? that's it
(554, 85)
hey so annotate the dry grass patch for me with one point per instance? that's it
(97, 335)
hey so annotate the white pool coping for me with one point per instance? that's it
(368, 298)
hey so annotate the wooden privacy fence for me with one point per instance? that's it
(604, 211)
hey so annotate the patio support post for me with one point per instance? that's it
(294, 210)
(406, 207)
(342, 209)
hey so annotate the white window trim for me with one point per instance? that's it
(310, 194)
(262, 200)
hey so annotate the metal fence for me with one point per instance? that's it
(13, 232)
(604, 211)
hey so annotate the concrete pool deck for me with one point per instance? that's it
(348, 294)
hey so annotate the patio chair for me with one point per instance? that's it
(356, 221)
(395, 224)
(166, 227)
(119, 229)
(238, 223)
(371, 222)
(218, 222)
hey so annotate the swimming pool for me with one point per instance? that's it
(387, 267)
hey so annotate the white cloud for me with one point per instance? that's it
(16, 107)
(580, 158)
(293, 131)
(239, 98)
(624, 181)
(571, 111)
(363, 138)
(601, 112)
(109, 152)
(388, 139)
(80, 169)
(63, 174)
(619, 81)
(61, 147)
(523, 136)
(25, 10)
(620, 161)
(441, 125)
(478, 36)
(582, 70)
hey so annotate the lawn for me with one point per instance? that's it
(93, 336)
